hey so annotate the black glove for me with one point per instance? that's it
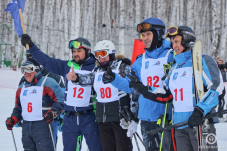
(49, 116)
(9, 123)
(196, 118)
(136, 84)
(108, 76)
(26, 39)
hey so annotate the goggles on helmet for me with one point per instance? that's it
(172, 30)
(148, 26)
(101, 53)
(77, 45)
(28, 68)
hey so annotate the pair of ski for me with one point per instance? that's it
(196, 51)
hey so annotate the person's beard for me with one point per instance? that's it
(80, 61)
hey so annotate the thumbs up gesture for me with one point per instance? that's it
(71, 76)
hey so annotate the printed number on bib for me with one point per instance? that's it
(153, 81)
(181, 94)
(29, 107)
(105, 92)
(80, 90)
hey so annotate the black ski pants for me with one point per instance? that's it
(113, 137)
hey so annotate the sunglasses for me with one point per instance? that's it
(148, 26)
(172, 30)
(28, 68)
(101, 53)
(77, 45)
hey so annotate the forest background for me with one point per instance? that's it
(53, 23)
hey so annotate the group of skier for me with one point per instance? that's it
(111, 82)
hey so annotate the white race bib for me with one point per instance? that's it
(180, 85)
(152, 71)
(77, 95)
(105, 92)
(31, 103)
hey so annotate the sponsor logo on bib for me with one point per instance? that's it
(100, 78)
(184, 74)
(34, 91)
(175, 75)
(146, 65)
(157, 63)
(25, 92)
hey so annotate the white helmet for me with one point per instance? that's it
(107, 46)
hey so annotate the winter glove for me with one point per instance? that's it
(26, 39)
(124, 124)
(10, 122)
(132, 128)
(49, 116)
(137, 85)
(196, 118)
(108, 76)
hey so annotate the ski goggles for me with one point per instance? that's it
(172, 30)
(148, 26)
(28, 68)
(77, 45)
(101, 53)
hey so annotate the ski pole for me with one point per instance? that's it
(136, 142)
(139, 138)
(52, 136)
(129, 118)
(160, 129)
(14, 140)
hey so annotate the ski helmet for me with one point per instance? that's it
(104, 48)
(81, 43)
(187, 34)
(152, 23)
(157, 27)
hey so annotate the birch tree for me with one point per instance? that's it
(121, 32)
(215, 27)
(223, 29)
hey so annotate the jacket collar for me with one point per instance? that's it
(183, 57)
(156, 52)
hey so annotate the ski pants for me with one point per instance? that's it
(36, 136)
(85, 125)
(186, 139)
(150, 142)
(113, 137)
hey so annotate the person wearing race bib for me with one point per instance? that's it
(59, 80)
(39, 100)
(179, 88)
(110, 100)
(79, 118)
(149, 68)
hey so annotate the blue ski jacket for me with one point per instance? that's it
(148, 110)
(62, 67)
(212, 80)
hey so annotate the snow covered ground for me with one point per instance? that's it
(8, 85)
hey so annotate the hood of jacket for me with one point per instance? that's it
(156, 52)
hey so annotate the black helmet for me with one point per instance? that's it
(188, 35)
(83, 43)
